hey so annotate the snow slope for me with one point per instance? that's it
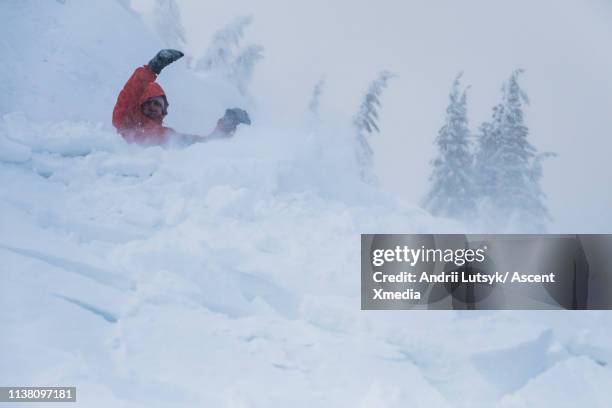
(225, 274)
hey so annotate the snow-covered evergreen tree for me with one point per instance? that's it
(452, 190)
(313, 106)
(226, 56)
(366, 122)
(241, 71)
(508, 166)
(167, 20)
(222, 49)
(488, 142)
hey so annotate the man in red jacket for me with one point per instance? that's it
(142, 105)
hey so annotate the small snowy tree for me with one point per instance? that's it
(241, 71)
(508, 165)
(226, 56)
(452, 191)
(366, 122)
(313, 106)
(167, 20)
(222, 49)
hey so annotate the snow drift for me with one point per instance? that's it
(227, 273)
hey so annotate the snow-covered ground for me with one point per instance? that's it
(226, 274)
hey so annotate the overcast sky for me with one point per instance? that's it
(563, 45)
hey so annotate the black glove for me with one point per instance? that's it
(163, 59)
(233, 117)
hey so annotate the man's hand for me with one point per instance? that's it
(163, 59)
(232, 118)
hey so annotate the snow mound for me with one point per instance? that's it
(60, 138)
(190, 266)
(574, 381)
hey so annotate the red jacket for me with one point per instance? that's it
(128, 118)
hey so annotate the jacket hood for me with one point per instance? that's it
(152, 90)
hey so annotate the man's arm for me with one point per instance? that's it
(226, 126)
(217, 133)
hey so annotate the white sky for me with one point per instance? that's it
(562, 44)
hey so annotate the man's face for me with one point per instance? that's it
(154, 108)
